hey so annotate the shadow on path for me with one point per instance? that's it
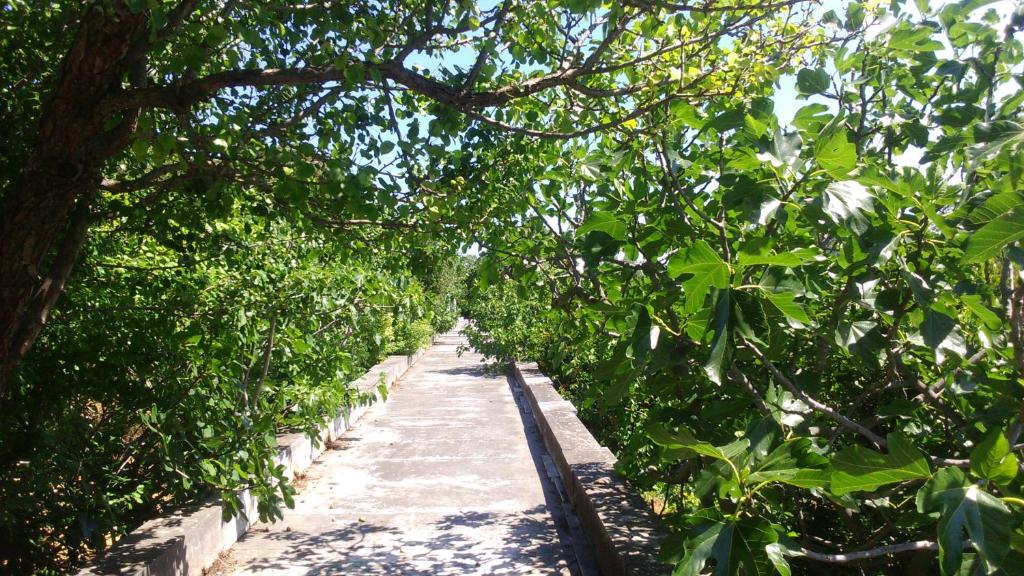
(450, 546)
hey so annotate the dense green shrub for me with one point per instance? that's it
(806, 335)
(445, 281)
(414, 335)
(515, 322)
(174, 360)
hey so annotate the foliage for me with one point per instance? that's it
(817, 324)
(445, 280)
(350, 115)
(809, 335)
(179, 353)
(412, 326)
(264, 198)
(510, 323)
(507, 326)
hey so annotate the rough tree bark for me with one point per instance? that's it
(62, 171)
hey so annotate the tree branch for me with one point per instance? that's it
(481, 58)
(711, 7)
(813, 403)
(53, 285)
(268, 349)
(874, 552)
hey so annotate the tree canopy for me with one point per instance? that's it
(805, 335)
(319, 104)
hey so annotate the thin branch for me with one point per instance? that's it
(875, 552)
(484, 54)
(813, 403)
(711, 7)
(268, 350)
(52, 286)
(737, 375)
(636, 113)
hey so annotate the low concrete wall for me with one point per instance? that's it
(190, 540)
(622, 529)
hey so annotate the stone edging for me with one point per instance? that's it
(623, 531)
(190, 540)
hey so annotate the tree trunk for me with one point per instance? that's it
(64, 169)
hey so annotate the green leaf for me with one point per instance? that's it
(836, 154)
(728, 120)
(784, 407)
(992, 460)
(862, 338)
(708, 270)
(995, 206)
(354, 74)
(981, 311)
(941, 334)
(965, 506)
(793, 462)
(996, 131)
(784, 302)
(683, 439)
(814, 81)
(777, 555)
(846, 202)
(790, 259)
(990, 239)
(698, 550)
(914, 40)
(959, 116)
(645, 338)
(592, 169)
(859, 469)
(993, 137)
(811, 117)
(736, 547)
(685, 113)
(604, 222)
(714, 367)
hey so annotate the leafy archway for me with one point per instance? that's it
(805, 333)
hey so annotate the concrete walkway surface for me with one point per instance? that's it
(447, 477)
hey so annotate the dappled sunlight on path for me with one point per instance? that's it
(443, 478)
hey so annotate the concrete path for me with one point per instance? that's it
(446, 477)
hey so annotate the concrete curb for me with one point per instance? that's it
(623, 531)
(188, 541)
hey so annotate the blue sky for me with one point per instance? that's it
(786, 98)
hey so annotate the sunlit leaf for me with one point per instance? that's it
(859, 469)
(965, 507)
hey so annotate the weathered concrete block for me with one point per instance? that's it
(545, 393)
(178, 544)
(623, 531)
(291, 452)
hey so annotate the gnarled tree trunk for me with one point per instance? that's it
(45, 214)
